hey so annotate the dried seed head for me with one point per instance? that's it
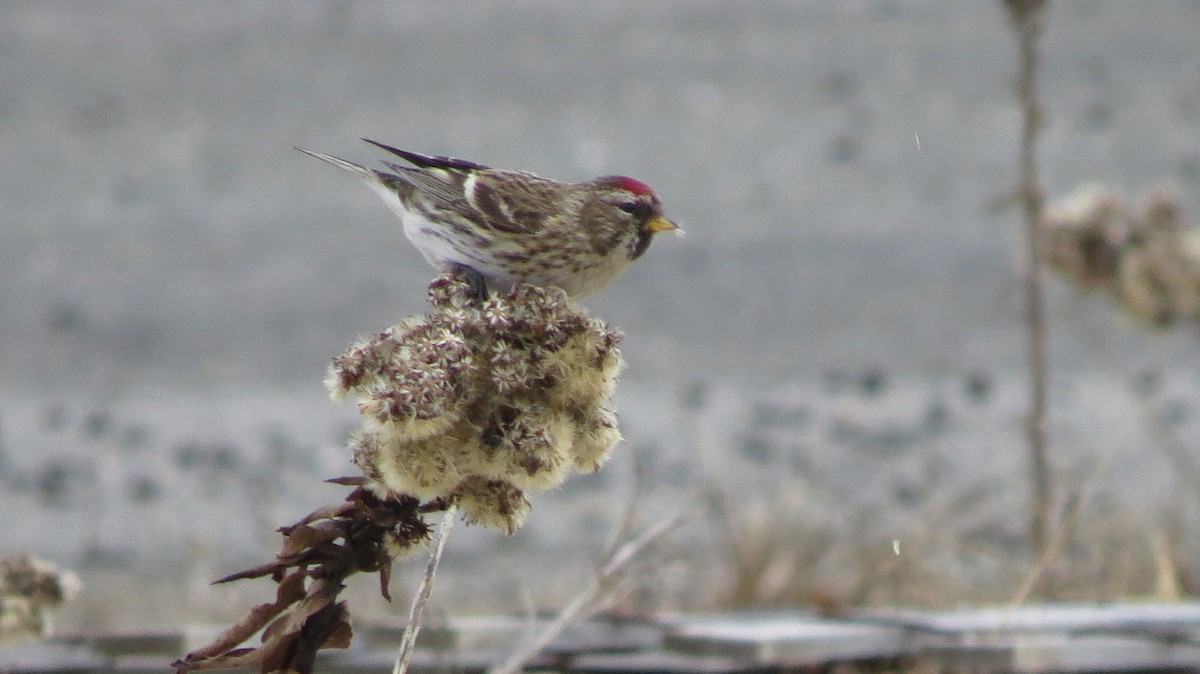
(29, 587)
(1084, 233)
(1144, 257)
(479, 402)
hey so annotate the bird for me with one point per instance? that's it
(500, 227)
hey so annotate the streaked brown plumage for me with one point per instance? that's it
(514, 226)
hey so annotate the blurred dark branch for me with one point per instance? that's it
(1025, 18)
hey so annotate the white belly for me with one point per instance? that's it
(438, 251)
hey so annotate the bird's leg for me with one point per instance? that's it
(476, 283)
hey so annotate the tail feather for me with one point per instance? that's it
(363, 172)
(432, 181)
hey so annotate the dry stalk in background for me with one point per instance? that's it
(466, 408)
(621, 549)
(1052, 550)
(588, 600)
(1025, 18)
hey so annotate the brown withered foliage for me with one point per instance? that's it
(362, 534)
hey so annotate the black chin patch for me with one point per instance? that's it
(642, 243)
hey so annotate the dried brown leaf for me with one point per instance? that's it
(298, 650)
(342, 509)
(320, 594)
(385, 575)
(268, 569)
(340, 637)
(278, 654)
(241, 657)
(290, 591)
(307, 536)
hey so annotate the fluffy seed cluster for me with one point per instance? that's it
(481, 402)
(28, 587)
(1145, 257)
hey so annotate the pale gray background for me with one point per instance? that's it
(174, 277)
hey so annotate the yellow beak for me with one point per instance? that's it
(660, 224)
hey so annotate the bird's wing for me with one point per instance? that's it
(505, 201)
(430, 162)
(513, 201)
(442, 178)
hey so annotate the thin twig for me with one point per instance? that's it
(1049, 552)
(583, 603)
(1054, 545)
(629, 513)
(409, 642)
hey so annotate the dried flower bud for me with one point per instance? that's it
(449, 291)
(491, 503)
(529, 447)
(422, 468)
(399, 546)
(595, 436)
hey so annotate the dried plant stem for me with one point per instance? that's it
(1054, 545)
(590, 597)
(1025, 16)
(409, 642)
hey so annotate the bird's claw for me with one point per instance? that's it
(477, 288)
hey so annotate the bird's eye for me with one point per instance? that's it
(630, 207)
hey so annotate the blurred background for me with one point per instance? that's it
(834, 354)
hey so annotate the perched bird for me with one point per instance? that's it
(502, 227)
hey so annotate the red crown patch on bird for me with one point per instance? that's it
(633, 185)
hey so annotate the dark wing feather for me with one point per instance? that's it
(515, 202)
(427, 161)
